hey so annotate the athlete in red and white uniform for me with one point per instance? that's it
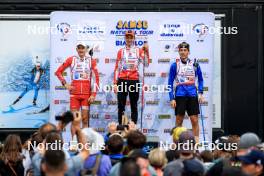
(83, 73)
(126, 74)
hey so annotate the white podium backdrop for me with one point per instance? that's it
(105, 33)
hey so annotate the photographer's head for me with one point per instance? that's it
(46, 129)
(54, 163)
(54, 141)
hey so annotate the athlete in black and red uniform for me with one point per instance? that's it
(126, 74)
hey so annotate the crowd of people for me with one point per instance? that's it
(123, 153)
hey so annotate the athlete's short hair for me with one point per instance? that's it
(184, 45)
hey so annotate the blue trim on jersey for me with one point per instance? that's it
(184, 90)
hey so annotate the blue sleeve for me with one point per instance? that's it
(74, 164)
(200, 79)
(172, 75)
(36, 162)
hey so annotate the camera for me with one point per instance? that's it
(121, 127)
(65, 118)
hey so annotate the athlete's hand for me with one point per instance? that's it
(69, 87)
(91, 99)
(115, 88)
(145, 47)
(173, 103)
(112, 127)
(200, 98)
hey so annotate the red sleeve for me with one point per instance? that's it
(96, 73)
(116, 71)
(60, 70)
(142, 54)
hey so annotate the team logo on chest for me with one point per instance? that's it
(130, 60)
(186, 73)
(81, 70)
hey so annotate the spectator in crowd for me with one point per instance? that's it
(158, 160)
(192, 167)
(129, 167)
(173, 154)
(115, 148)
(135, 140)
(46, 129)
(54, 163)
(97, 163)
(11, 159)
(187, 152)
(142, 161)
(226, 148)
(233, 171)
(207, 158)
(247, 141)
(252, 163)
(74, 164)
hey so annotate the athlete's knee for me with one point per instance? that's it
(180, 118)
(76, 123)
(194, 120)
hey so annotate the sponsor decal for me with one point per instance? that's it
(205, 75)
(164, 60)
(140, 27)
(94, 116)
(148, 116)
(150, 74)
(111, 102)
(201, 30)
(202, 60)
(167, 130)
(56, 101)
(123, 43)
(152, 102)
(171, 31)
(205, 88)
(107, 116)
(164, 75)
(132, 24)
(64, 29)
(110, 60)
(61, 101)
(59, 60)
(60, 88)
(100, 130)
(91, 29)
(149, 130)
(96, 102)
(164, 116)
